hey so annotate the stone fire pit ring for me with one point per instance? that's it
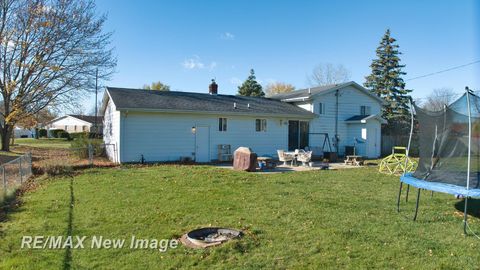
(209, 236)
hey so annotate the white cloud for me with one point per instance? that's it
(228, 36)
(193, 63)
(196, 63)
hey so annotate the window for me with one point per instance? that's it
(261, 125)
(365, 110)
(66, 127)
(75, 128)
(84, 128)
(364, 133)
(222, 124)
(321, 108)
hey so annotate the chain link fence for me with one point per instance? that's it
(64, 161)
(13, 174)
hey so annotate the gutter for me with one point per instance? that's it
(296, 99)
(296, 116)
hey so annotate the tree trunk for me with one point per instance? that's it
(6, 133)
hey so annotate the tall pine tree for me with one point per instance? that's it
(386, 82)
(251, 87)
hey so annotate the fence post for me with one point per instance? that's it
(4, 181)
(30, 164)
(90, 154)
(20, 169)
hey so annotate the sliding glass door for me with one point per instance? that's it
(298, 133)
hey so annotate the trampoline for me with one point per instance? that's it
(449, 151)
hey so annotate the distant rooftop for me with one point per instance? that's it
(88, 118)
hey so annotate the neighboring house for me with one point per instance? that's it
(170, 125)
(75, 123)
(20, 132)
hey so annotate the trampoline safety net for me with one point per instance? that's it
(443, 142)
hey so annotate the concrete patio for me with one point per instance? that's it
(299, 168)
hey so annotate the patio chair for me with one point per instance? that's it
(282, 156)
(305, 157)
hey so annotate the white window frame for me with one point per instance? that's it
(263, 125)
(365, 110)
(222, 124)
(321, 108)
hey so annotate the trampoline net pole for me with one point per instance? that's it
(468, 158)
(407, 152)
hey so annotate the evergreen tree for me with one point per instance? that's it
(386, 82)
(251, 87)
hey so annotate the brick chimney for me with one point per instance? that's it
(213, 88)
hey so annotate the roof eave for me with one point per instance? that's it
(306, 116)
(297, 99)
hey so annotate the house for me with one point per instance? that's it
(170, 125)
(73, 123)
(20, 132)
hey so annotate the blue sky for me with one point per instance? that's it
(186, 43)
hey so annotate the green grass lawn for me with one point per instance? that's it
(43, 142)
(318, 219)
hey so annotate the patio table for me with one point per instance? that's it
(294, 154)
(354, 160)
(267, 161)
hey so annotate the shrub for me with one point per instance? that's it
(42, 133)
(55, 132)
(78, 135)
(63, 134)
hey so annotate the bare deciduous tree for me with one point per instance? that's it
(439, 98)
(278, 88)
(49, 52)
(325, 74)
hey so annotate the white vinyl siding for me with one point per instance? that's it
(168, 136)
(111, 132)
(349, 101)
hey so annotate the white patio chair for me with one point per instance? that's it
(305, 157)
(285, 157)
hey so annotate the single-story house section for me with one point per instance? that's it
(169, 125)
(74, 123)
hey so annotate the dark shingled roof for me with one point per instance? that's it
(88, 118)
(303, 93)
(175, 101)
(357, 117)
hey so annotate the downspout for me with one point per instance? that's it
(336, 120)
